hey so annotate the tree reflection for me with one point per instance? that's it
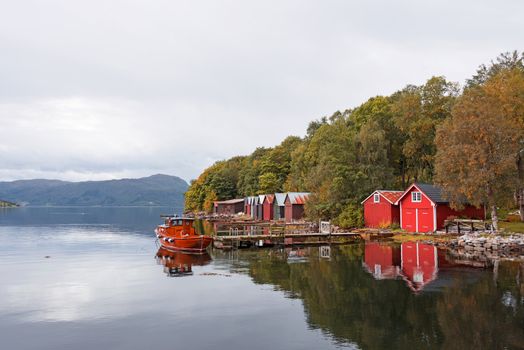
(462, 308)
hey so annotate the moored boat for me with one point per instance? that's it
(178, 234)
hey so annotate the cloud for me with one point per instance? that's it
(97, 89)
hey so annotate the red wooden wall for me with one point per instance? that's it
(380, 214)
(409, 214)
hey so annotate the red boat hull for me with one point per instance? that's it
(193, 244)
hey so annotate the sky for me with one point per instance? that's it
(98, 89)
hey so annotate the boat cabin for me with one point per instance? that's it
(174, 225)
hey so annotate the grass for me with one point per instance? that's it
(517, 227)
(409, 237)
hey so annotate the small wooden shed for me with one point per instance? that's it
(229, 207)
(279, 206)
(380, 209)
(247, 206)
(294, 205)
(253, 206)
(260, 207)
(268, 203)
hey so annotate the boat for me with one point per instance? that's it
(179, 234)
(177, 264)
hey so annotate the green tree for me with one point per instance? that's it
(418, 112)
(269, 183)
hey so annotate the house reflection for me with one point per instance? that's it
(416, 263)
(419, 264)
(177, 264)
(381, 260)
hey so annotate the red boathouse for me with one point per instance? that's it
(423, 209)
(267, 205)
(294, 205)
(380, 209)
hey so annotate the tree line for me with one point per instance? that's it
(468, 139)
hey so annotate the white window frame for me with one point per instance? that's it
(416, 197)
(376, 198)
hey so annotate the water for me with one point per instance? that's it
(93, 278)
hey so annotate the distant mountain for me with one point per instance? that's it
(159, 190)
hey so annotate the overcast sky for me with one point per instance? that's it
(109, 89)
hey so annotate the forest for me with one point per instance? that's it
(467, 138)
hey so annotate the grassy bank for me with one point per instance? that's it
(409, 237)
(517, 227)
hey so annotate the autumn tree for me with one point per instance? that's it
(478, 147)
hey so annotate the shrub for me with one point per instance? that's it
(383, 224)
(351, 216)
(395, 226)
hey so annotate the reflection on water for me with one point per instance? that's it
(386, 305)
(416, 263)
(178, 264)
(98, 286)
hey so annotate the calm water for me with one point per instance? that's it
(93, 278)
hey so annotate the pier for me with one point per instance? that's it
(267, 235)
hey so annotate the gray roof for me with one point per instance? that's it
(280, 198)
(433, 192)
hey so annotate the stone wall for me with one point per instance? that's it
(492, 247)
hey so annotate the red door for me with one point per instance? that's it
(425, 219)
(409, 219)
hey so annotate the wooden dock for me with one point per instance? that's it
(284, 239)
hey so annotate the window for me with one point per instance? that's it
(376, 198)
(416, 197)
